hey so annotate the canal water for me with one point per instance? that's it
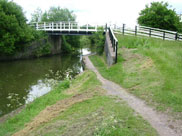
(24, 80)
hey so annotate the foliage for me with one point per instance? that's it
(69, 43)
(85, 41)
(43, 50)
(66, 47)
(159, 15)
(37, 15)
(15, 33)
(58, 14)
(98, 40)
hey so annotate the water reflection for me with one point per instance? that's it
(37, 90)
(23, 81)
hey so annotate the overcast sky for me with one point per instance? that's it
(97, 11)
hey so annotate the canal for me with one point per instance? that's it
(24, 80)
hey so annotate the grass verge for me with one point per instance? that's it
(98, 115)
(149, 68)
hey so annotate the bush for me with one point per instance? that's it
(98, 40)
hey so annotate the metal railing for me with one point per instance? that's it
(114, 43)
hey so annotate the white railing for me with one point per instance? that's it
(148, 31)
(64, 27)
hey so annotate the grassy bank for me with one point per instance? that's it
(93, 113)
(149, 68)
(18, 121)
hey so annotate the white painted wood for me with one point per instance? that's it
(44, 25)
(60, 26)
(64, 26)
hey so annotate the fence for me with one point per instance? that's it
(148, 31)
(114, 42)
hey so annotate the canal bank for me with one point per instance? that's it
(23, 81)
(77, 107)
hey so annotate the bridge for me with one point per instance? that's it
(73, 28)
(65, 28)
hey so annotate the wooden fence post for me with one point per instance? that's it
(164, 35)
(150, 32)
(135, 30)
(176, 36)
(123, 28)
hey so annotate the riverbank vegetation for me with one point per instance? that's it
(95, 42)
(81, 109)
(15, 34)
(150, 69)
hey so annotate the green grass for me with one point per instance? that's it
(100, 115)
(18, 121)
(159, 83)
(112, 73)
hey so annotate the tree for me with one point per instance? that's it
(54, 14)
(14, 32)
(98, 40)
(37, 15)
(58, 14)
(159, 15)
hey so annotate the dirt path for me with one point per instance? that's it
(157, 120)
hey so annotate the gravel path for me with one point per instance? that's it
(157, 120)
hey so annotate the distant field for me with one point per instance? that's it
(149, 68)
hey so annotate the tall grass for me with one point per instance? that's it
(160, 84)
(167, 57)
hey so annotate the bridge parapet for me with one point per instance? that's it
(111, 47)
(65, 27)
